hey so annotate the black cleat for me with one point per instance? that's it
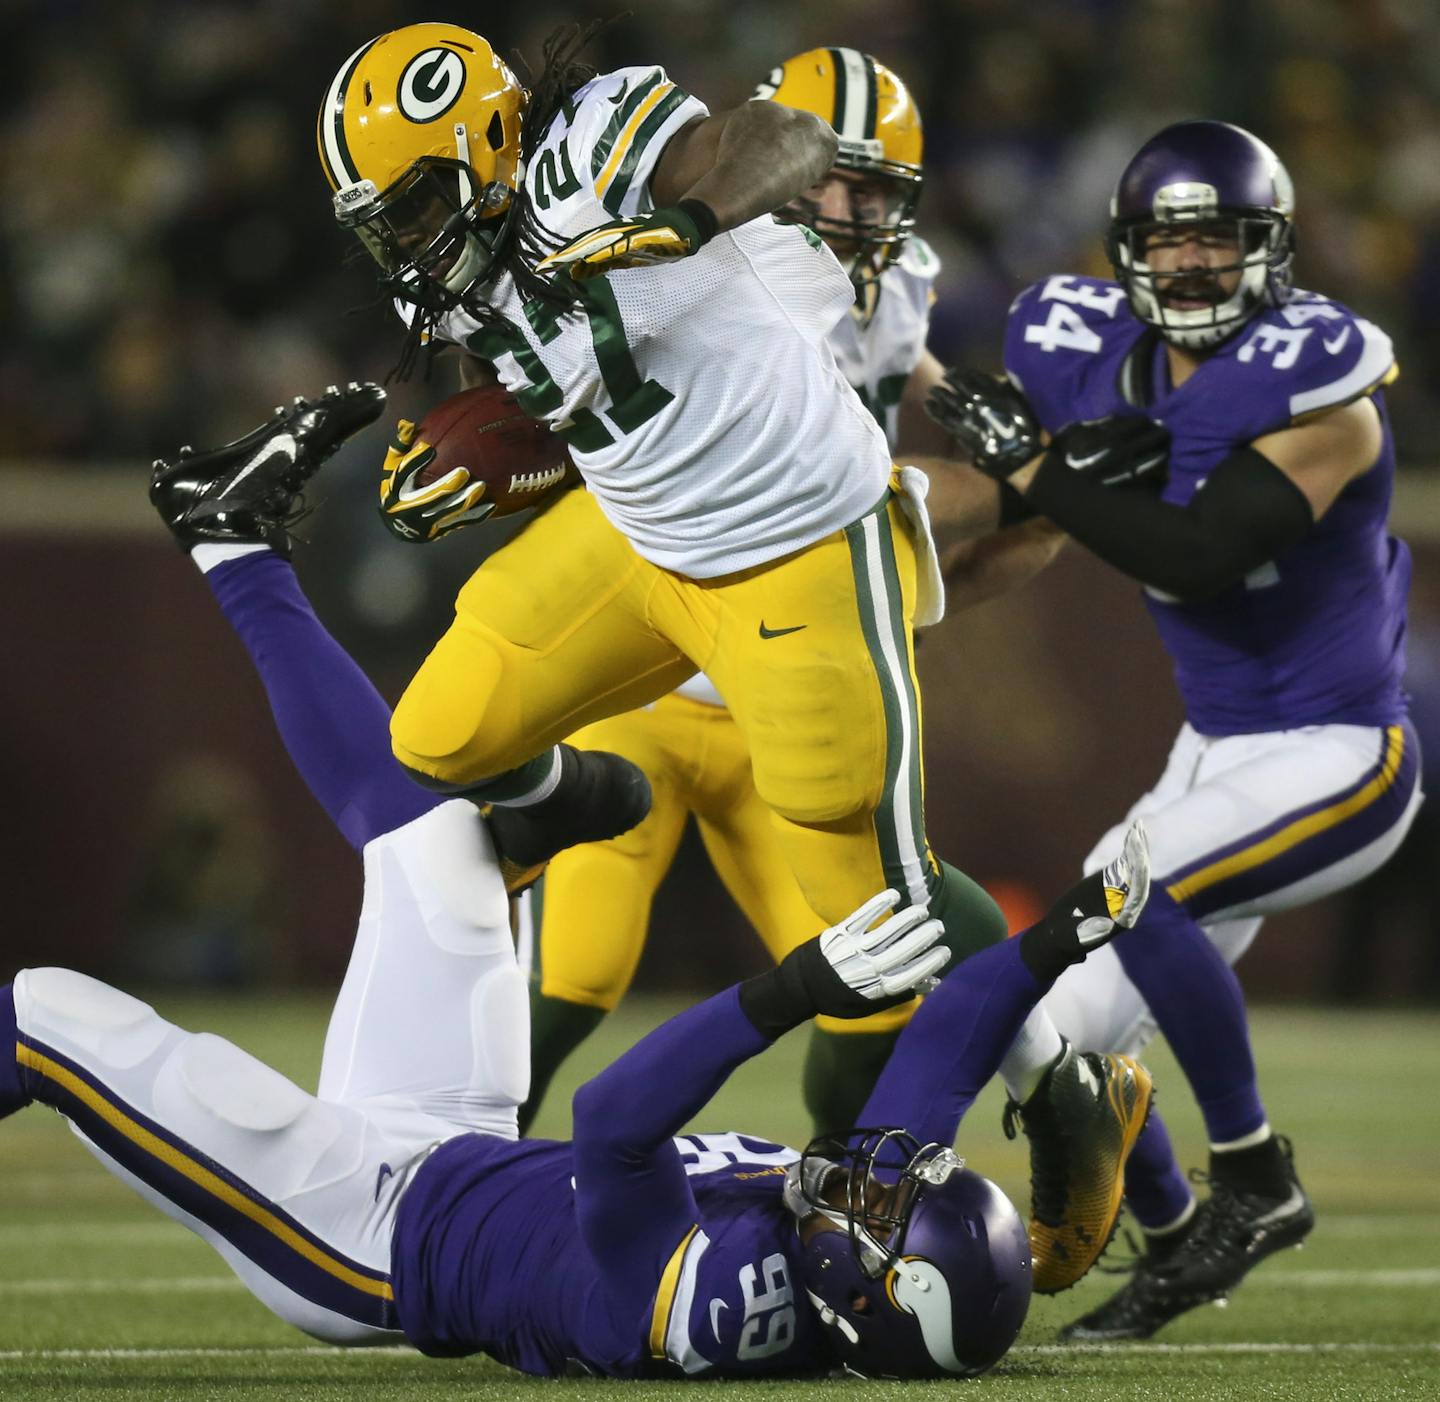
(1138, 1309)
(600, 796)
(1231, 1234)
(248, 490)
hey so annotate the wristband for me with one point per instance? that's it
(703, 217)
(1013, 507)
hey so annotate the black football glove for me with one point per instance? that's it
(1120, 451)
(989, 418)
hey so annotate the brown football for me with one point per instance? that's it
(486, 432)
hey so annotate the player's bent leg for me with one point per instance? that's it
(297, 1195)
(550, 633)
(844, 1058)
(431, 1024)
(593, 907)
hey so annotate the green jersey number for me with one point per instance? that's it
(633, 401)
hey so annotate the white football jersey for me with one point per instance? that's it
(877, 357)
(701, 401)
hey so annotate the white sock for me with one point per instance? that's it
(208, 554)
(1033, 1052)
(1249, 1141)
(1169, 1228)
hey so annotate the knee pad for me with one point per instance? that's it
(444, 862)
(455, 717)
(233, 1086)
(500, 1017)
(817, 742)
(77, 1013)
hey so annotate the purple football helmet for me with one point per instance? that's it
(1204, 173)
(933, 1281)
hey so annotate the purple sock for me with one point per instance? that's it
(1155, 1188)
(954, 1044)
(332, 720)
(1197, 1001)
(12, 1093)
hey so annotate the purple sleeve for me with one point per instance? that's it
(632, 1196)
(953, 1045)
(1058, 339)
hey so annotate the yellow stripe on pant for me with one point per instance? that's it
(184, 1164)
(1278, 843)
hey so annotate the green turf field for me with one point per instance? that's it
(100, 1297)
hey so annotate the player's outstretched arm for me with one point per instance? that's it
(749, 161)
(632, 1197)
(1257, 504)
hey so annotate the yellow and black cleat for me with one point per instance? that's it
(1082, 1123)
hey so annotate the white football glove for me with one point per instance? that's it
(892, 959)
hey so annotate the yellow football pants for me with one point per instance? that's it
(567, 624)
(597, 897)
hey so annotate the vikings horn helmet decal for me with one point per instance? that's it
(924, 1268)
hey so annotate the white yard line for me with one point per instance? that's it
(1072, 1349)
(93, 1233)
(1420, 1277)
(361, 1354)
(313, 1351)
(132, 1285)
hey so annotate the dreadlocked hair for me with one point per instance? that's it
(523, 239)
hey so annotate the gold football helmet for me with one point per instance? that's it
(881, 147)
(419, 137)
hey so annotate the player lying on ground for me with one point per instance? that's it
(398, 1201)
(1280, 597)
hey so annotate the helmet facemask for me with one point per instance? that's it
(1264, 239)
(866, 245)
(434, 231)
(878, 1181)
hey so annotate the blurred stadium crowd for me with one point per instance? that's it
(168, 262)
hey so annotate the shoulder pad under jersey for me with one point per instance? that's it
(596, 158)
(1054, 335)
(918, 260)
(1305, 358)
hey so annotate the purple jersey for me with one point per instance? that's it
(1317, 636)
(629, 1252)
(626, 1252)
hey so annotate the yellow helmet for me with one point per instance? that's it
(419, 137)
(878, 124)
